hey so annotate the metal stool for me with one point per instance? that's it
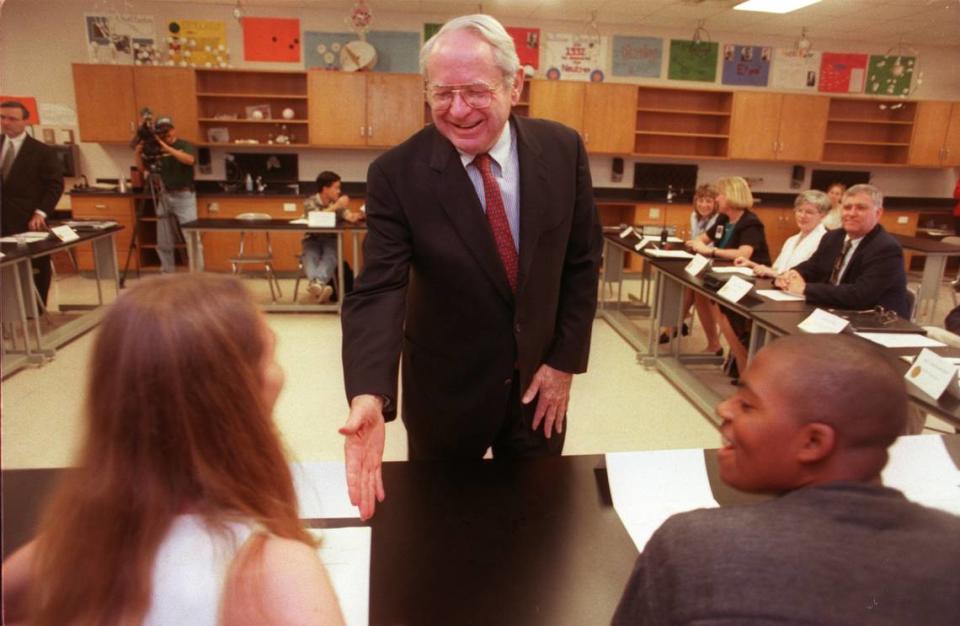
(266, 260)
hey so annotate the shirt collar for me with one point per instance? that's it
(500, 152)
(15, 142)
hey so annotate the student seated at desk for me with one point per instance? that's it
(809, 209)
(320, 251)
(811, 424)
(181, 507)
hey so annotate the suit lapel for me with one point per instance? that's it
(462, 206)
(853, 266)
(533, 182)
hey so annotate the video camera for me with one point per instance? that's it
(147, 135)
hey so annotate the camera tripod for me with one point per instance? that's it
(157, 194)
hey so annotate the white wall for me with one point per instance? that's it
(39, 39)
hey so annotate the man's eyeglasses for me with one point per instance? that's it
(476, 95)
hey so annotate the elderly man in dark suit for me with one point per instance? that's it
(32, 182)
(481, 269)
(855, 267)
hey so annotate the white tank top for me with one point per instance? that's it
(190, 571)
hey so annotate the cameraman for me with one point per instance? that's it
(175, 168)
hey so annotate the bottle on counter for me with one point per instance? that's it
(248, 183)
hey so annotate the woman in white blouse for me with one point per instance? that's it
(809, 209)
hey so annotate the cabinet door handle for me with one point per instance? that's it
(369, 131)
(100, 206)
(363, 131)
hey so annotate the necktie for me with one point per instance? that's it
(838, 264)
(7, 164)
(497, 216)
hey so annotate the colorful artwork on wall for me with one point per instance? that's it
(322, 50)
(573, 56)
(746, 65)
(793, 69)
(119, 39)
(527, 41)
(197, 43)
(890, 75)
(693, 60)
(842, 72)
(271, 39)
(637, 56)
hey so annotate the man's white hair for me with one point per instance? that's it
(490, 30)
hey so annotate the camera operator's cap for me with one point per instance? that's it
(163, 123)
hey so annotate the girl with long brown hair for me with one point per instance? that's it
(181, 508)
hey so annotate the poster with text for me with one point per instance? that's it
(120, 38)
(527, 41)
(890, 75)
(793, 69)
(842, 72)
(197, 43)
(693, 60)
(746, 65)
(637, 56)
(274, 39)
(569, 56)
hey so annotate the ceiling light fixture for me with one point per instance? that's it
(774, 6)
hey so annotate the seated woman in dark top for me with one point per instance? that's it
(737, 233)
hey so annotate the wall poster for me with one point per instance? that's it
(693, 60)
(119, 38)
(793, 69)
(890, 75)
(637, 56)
(746, 65)
(197, 43)
(271, 39)
(842, 72)
(573, 56)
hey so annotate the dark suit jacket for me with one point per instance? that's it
(35, 182)
(875, 274)
(433, 286)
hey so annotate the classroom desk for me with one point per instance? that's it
(615, 310)
(193, 230)
(104, 248)
(524, 542)
(17, 297)
(934, 266)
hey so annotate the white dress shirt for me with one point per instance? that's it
(506, 169)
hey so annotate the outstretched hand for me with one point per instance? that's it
(551, 387)
(363, 450)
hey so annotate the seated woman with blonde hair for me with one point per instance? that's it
(181, 507)
(809, 209)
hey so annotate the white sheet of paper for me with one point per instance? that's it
(933, 374)
(65, 233)
(821, 321)
(697, 264)
(626, 232)
(322, 219)
(733, 269)
(921, 467)
(345, 553)
(322, 490)
(29, 236)
(735, 289)
(669, 254)
(648, 487)
(300, 220)
(780, 296)
(902, 340)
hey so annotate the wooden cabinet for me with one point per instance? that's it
(682, 123)
(226, 100)
(110, 97)
(936, 135)
(117, 208)
(603, 113)
(363, 110)
(776, 126)
(869, 131)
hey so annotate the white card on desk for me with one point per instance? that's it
(644, 241)
(779, 296)
(735, 289)
(668, 254)
(321, 219)
(697, 265)
(626, 232)
(933, 374)
(902, 340)
(65, 233)
(733, 269)
(821, 321)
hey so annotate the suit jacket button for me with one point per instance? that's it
(507, 382)
(516, 327)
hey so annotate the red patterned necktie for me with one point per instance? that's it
(497, 216)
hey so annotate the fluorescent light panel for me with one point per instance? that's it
(774, 6)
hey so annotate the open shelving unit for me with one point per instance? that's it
(869, 131)
(682, 122)
(223, 97)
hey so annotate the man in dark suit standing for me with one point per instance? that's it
(32, 182)
(856, 267)
(481, 269)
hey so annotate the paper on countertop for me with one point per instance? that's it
(902, 340)
(345, 553)
(29, 236)
(933, 374)
(668, 254)
(648, 487)
(300, 220)
(821, 321)
(322, 490)
(735, 289)
(780, 296)
(923, 470)
(732, 269)
(95, 224)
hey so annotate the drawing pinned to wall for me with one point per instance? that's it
(890, 75)
(527, 41)
(397, 51)
(571, 56)
(197, 43)
(120, 38)
(637, 56)
(322, 50)
(842, 72)
(271, 39)
(793, 69)
(746, 65)
(693, 60)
